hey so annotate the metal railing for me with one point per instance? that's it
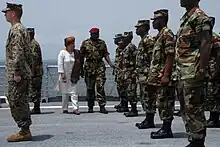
(50, 82)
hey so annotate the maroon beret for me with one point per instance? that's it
(94, 30)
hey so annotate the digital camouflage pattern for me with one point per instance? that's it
(213, 88)
(94, 68)
(37, 71)
(119, 74)
(164, 45)
(18, 57)
(18, 53)
(143, 59)
(187, 57)
(129, 74)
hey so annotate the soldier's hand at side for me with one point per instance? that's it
(17, 78)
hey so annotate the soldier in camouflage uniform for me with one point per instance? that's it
(160, 76)
(128, 70)
(143, 59)
(18, 72)
(213, 91)
(37, 72)
(123, 106)
(94, 50)
(192, 56)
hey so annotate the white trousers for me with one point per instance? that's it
(74, 99)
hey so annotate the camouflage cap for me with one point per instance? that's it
(160, 13)
(31, 30)
(11, 6)
(117, 36)
(142, 22)
(130, 33)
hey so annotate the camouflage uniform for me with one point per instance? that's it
(213, 91)
(94, 68)
(187, 58)
(123, 106)
(18, 57)
(164, 45)
(119, 75)
(143, 60)
(129, 75)
(37, 69)
(161, 67)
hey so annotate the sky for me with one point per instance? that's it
(54, 20)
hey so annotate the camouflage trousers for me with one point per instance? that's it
(191, 97)
(131, 90)
(163, 96)
(121, 90)
(36, 89)
(144, 98)
(95, 88)
(18, 103)
(212, 101)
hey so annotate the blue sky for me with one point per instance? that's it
(56, 19)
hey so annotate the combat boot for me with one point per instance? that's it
(213, 120)
(118, 106)
(90, 105)
(197, 143)
(164, 132)
(90, 110)
(133, 112)
(147, 123)
(23, 135)
(36, 109)
(123, 108)
(103, 110)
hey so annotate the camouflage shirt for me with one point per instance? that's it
(118, 61)
(188, 43)
(18, 53)
(129, 61)
(144, 55)
(164, 45)
(213, 66)
(37, 64)
(94, 51)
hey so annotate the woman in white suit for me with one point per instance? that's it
(66, 86)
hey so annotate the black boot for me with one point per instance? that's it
(90, 110)
(90, 105)
(124, 107)
(213, 120)
(197, 143)
(36, 109)
(118, 106)
(133, 112)
(147, 123)
(164, 132)
(103, 110)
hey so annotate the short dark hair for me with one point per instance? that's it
(19, 12)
